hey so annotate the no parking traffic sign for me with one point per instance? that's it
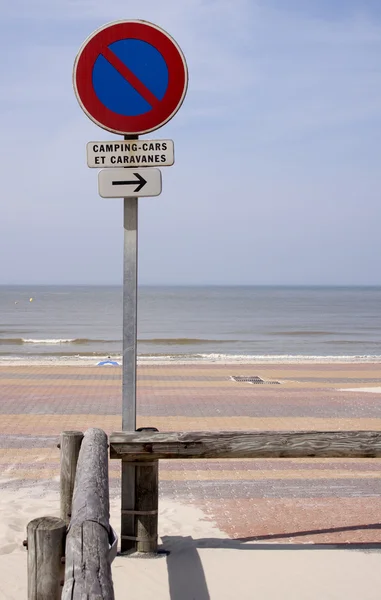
(130, 77)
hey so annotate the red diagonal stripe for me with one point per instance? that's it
(130, 77)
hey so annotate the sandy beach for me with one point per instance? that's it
(285, 511)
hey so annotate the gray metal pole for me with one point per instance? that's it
(135, 480)
(130, 289)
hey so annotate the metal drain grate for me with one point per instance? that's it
(253, 379)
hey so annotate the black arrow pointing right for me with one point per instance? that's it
(140, 181)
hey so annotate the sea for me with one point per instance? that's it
(192, 324)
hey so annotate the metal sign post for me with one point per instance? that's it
(130, 309)
(130, 319)
(130, 77)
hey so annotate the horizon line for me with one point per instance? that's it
(120, 285)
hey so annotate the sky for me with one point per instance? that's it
(277, 174)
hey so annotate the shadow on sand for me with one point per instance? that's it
(186, 575)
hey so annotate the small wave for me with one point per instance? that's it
(48, 341)
(54, 341)
(91, 341)
(21, 341)
(302, 332)
(184, 359)
(290, 358)
(259, 358)
(184, 341)
(62, 353)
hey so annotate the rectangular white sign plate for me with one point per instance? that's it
(124, 183)
(130, 153)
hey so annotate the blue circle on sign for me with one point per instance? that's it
(145, 62)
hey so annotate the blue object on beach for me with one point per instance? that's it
(108, 362)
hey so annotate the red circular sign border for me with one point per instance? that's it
(177, 77)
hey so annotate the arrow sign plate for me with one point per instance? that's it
(124, 183)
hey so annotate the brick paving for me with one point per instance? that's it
(285, 500)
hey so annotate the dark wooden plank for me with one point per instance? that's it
(127, 541)
(46, 547)
(147, 503)
(140, 499)
(70, 444)
(245, 444)
(87, 566)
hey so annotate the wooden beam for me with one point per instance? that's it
(245, 444)
(87, 565)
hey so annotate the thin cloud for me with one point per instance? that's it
(276, 148)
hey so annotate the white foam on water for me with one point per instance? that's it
(188, 359)
(289, 358)
(48, 341)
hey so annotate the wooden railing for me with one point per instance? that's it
(83, 539)
(142, 446)
(144, 450)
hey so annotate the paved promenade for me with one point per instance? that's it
(282, 500)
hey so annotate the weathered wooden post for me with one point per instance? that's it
(46, 547)
(140, 517)
(140, 506)
(87, 562)
(70, 444)
(147, 502)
